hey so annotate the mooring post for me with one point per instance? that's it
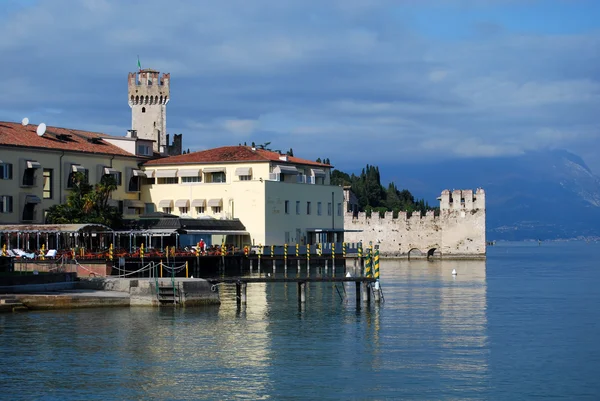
(238, 293)
(377, 292)
(302, 292)
(244, 297)
(260, 249)
(357, 283)
(366, 296)
(251, 265)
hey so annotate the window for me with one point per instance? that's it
(6, 204)
(287, 207)
(329, 208)
(150, 181)
(47, 174)
(245, 177)
(133, 210)
(200, 209)
(307, 207)
(184, 210)
(134, 184)
(191, 179)
(167, 210)
(6, 171)
(29, 177)
(168, 180)
(143, 150)
(116, 176)
(319, 209)
(297, 207)
(143, 109)
(216, 209)
(71, 179)
(216, 177)
(339, 208)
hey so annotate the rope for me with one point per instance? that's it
(143, 268)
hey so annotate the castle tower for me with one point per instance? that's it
(148, 95)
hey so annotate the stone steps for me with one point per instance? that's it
(10, 303)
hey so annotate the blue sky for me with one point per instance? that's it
(356, 81)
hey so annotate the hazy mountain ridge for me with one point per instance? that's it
(537, 195)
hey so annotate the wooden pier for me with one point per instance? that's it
(363, 285)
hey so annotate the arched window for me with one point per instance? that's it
(146, 100)
(137, 100)
(131, 98)
(155, 99)
(161, 100)
(143, 109)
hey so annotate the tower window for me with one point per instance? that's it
(143, 109)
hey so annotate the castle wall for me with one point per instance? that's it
(458, 232)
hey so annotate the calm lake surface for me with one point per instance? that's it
(525, 324)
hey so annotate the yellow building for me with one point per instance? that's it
(37, 165)
(279, 198)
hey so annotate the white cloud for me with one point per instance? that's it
(329, 79)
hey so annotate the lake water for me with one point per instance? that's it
(525, 324)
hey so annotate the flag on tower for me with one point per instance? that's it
(139, 64)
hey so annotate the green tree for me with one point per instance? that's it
(87, 204)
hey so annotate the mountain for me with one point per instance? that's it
(537, 195)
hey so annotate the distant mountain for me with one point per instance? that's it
(537, 195)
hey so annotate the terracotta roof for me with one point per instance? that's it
(230, 154)
(16, 134)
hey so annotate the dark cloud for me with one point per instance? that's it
(349, 80)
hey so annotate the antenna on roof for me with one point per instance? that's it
(25, 121)
(41, 129)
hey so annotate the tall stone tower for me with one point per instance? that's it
(148, 95)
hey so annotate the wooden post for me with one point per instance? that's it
(238, 293)
(366, 296)
(244, 295)
(357, 293)
(301, 292)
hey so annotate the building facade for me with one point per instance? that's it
(279, 198)
(36, 170)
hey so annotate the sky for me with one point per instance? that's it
(356, 81)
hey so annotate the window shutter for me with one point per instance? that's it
(10, 204)
(10, 172)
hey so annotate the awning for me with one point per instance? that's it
(159, 232)
(214, 170)
(76, 168)
(215, 202)
(216, 232)
(52, 228)
(165, 203)
(109, 171)
(147, 173)
(33, 199)
(285, 170)
(243, 171)
(188, 172)
(182, 203)
(165, 173)
(138, 204)
(33, 164)
(198, 202)
(317, 172)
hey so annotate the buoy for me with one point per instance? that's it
(454, 272)
(348, 274)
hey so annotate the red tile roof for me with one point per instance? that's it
(230, 154)
(16, 134)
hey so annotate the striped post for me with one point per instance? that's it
(186, 269)
(297, 250)
(360, 250)
(142, 251)
(307, 253)
(333, 250)
(368, 265)
(344, 250)
(285, 252)
(376, 270)
(110, 252)
(272, 251)
(319, 249)
(4, 253)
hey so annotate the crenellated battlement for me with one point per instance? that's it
(462, 199)
(148, 87)
(458, 232)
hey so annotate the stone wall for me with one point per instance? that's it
(458, 232)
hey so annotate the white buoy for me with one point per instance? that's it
(454, 272)
(348, 274)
